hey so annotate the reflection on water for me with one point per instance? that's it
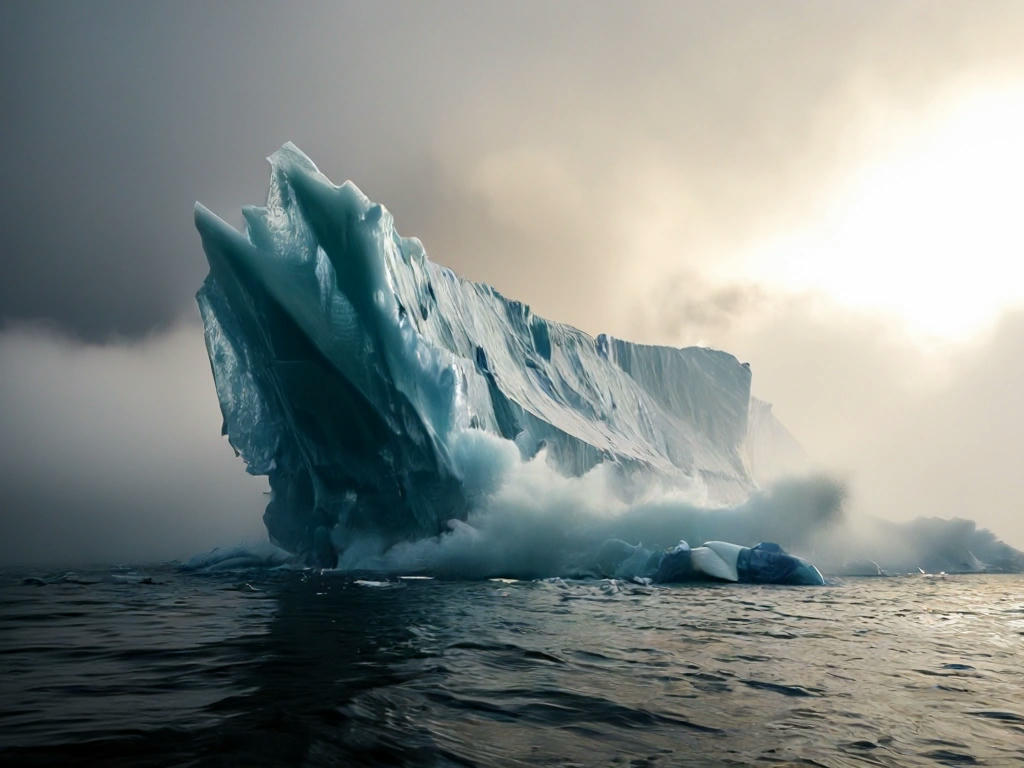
(277, 667)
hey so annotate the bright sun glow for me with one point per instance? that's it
(934, 233)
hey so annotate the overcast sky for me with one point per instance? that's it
(830, 190)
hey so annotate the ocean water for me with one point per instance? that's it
(159, 667)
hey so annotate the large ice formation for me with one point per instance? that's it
(351, 369)
(345, 361)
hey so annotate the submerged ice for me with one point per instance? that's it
(391, 403)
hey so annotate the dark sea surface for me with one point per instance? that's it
(308, 668)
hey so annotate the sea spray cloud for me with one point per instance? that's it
(528, 521)
(531, 521)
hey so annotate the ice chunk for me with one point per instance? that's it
(707, 561)
(765, 563)
(729, 555)
(676, 565)
(768, 563)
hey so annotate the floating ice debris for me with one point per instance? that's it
(237, 558)
(766, 563)
(376, 584)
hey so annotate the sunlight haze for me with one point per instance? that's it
(929, 231)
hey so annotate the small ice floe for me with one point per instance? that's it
(376, 584)
(70, 577)
(131, 578)
(243, 587)
(611, 586)
(264, 555)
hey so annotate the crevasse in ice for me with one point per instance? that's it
(345, 362)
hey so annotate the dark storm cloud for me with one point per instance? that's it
(514, 139)
(118, 115)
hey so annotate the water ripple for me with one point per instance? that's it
(267, 668)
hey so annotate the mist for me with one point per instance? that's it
(529, 521)
(112, 453)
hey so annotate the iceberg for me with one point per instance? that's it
(382, 395)
(346, 362)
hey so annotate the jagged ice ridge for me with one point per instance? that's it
(345, 361)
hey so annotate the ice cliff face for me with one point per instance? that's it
(770, 451)
(346, 362)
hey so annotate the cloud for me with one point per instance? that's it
(688, 307)
(714, 124)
